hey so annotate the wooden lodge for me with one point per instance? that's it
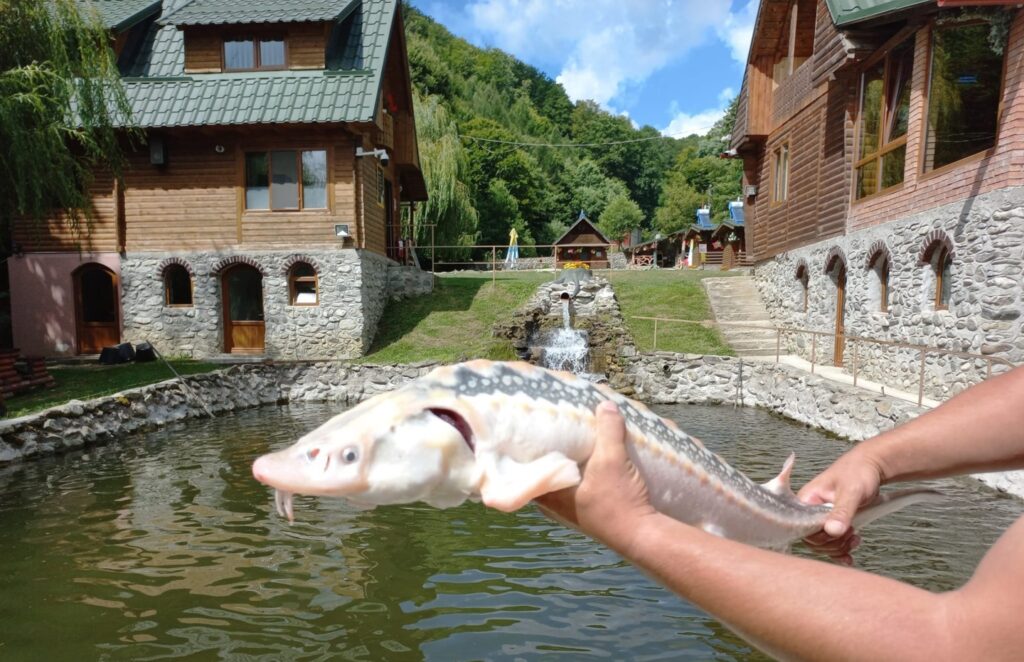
(261, 215)
(883, 156)
(582, 242)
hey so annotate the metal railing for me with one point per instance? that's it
(923, 350)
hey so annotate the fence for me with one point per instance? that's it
(854, 341)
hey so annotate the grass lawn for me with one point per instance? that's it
(455, 322)
(82, 382)
(668, 293)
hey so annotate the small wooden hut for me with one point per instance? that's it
(582, 243)
(731, 235)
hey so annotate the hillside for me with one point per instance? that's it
(473, 105)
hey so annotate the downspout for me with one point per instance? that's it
(360, 202)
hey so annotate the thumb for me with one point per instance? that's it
(610, 445)
(843, 509)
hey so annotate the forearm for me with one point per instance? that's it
(981, 429)
(790, 607)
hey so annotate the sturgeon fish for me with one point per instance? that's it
(505, 433)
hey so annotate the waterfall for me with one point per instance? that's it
(567, 349)
(566, 318)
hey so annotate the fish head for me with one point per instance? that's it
(394, 448)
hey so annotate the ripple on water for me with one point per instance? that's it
(162, 546)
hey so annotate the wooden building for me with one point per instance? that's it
(582, 242)
(262, 213)
(883, 153)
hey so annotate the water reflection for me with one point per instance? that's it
(163, 545)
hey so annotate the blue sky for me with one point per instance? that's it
(672, 64)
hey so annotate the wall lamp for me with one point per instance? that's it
(381, 154)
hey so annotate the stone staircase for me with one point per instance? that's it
(736, 299)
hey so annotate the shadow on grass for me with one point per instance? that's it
(401, 317)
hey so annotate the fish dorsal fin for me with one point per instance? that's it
(780, 484)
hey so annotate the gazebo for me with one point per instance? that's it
(582, 243)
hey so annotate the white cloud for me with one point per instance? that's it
(684, 124)
(737, 30)
(604, 46)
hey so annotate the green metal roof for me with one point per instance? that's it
(163, 95)
(220, 12)
(122, 14)
(846, 12)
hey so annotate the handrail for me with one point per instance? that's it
(779, 330)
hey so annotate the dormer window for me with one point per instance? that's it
(251, 54)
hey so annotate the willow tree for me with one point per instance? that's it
(448, 216)
(61, 101)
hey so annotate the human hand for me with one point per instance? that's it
(848, 484)
(611, 500)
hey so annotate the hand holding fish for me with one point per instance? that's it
(611, 500)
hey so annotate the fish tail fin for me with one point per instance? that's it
(890, 502)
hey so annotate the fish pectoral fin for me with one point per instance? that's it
(509, 485)
(780, 484)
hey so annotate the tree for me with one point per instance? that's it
(620, 217)
(61, 103)
(449, 207)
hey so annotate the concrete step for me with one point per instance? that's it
(737, 300)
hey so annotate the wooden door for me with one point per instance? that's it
(97, 314)
(840, 314)
(244, 329)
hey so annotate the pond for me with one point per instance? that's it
(162, 545)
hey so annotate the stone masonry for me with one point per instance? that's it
(985, 309)
(354, 287)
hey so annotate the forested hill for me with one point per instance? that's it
(474, 105)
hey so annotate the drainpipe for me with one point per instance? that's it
(357, 180)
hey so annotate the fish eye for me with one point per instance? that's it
(350, 455)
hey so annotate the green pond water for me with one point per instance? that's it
(163, 546)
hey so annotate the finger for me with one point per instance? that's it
(813, 495)
(843, 510)
(610, 446)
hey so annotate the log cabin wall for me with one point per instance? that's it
(197, 200)
(305, 44)
(95, 233)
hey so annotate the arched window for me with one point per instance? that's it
(303, 287)
(177, 285)
(804, 278)
(879, 265)
(942, 264)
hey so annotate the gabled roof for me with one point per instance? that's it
(220, 12)
(586, 222)
(119, 15)
(163, 95)
(846, 12)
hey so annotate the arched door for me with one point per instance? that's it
(242, 289)
(97, 315)
(840, 313)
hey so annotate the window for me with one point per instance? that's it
(884, 118)
(248, 54)
(879, 265)
(942, 265)
(302, 285)
(780, 174)
(281, 179)
(177, 286)
(963, 93)
(804, 278)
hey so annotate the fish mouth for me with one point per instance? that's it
(457, 421)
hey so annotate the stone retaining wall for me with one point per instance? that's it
(660, 378)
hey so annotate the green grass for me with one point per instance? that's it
(672, 294)
(454, 323)
(82, 382)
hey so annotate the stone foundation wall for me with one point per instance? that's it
(354, 287)
(984, 313)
